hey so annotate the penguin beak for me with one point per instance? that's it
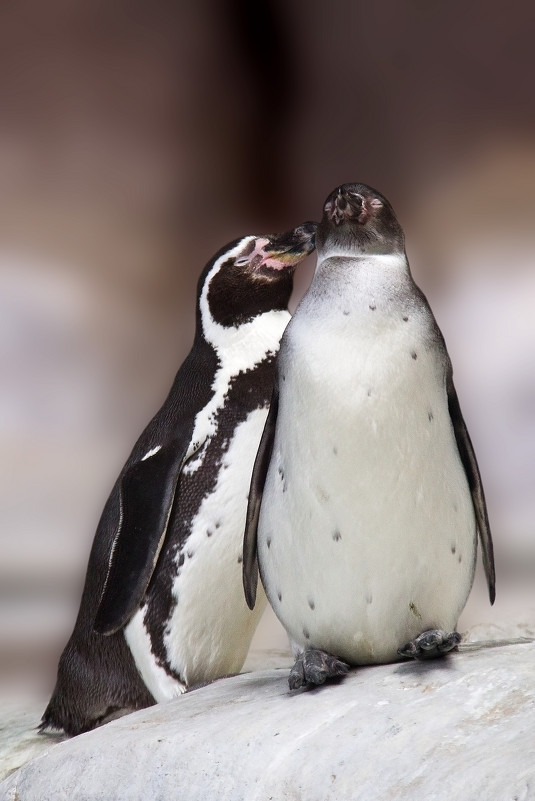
(284, 251)
(345, 204)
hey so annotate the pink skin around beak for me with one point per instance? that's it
(266, 258)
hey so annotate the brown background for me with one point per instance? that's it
(136, 138)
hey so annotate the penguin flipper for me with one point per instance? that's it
(147, 492)
(258, 479)
(468, 458)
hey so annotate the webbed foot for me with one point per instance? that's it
(430, 644)
(315, 667)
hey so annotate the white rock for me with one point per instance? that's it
(463, 727)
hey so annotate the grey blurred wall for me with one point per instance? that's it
(136, 138)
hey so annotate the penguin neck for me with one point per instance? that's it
(240, 348)
(358, 279)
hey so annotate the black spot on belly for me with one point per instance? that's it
(209, 533)
(337, 536)
(281, 473)
(218, 524)
(191, 554)
(268, 542)
(311, 603)
(283, 377)
(414, 355)
(279, 596)
(369, 393)
(430, 415)
(453, 548)
(346, 312)
(335, 450)
(455, 508)
(306, 634)
(405, 319)
(460, 558)
(369, 598)
(240, 559)
(372, 307)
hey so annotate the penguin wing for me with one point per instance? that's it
(147, 491)
(471, 468)
(263, 458)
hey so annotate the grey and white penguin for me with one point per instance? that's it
(163, 608)
(366, 497)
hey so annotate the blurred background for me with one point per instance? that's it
(136, 138)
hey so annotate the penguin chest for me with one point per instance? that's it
(195, 625)
(367, 531)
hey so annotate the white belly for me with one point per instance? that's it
(210, 629)
(367, 533)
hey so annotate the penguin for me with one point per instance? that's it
(366, 497)
(163, 608)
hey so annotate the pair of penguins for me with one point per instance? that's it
(365, 501)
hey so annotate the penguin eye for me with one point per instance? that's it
(245, 257)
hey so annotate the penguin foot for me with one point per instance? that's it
(315, 667)
(430, 644)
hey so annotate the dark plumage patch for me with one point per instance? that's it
(240, 559)
(453, 548)
(232, 300)
(279, 596)
(268, 542)
(337, 536)
(369, 598)
(306, 634)
(311, 604)
(414, 355)
(430, 416)
(196, 486)
(405, 319)
(372, 307)
(335, 450)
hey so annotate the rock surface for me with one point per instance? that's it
(463, 727)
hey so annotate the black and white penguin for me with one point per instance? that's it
(366, 497)
(164, 575)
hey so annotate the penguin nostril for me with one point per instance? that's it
(356, 199)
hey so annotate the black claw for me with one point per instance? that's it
(430, 644)
(296, 679)
(315, 667)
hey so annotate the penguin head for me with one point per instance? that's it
(359, 219)
(253, 275)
